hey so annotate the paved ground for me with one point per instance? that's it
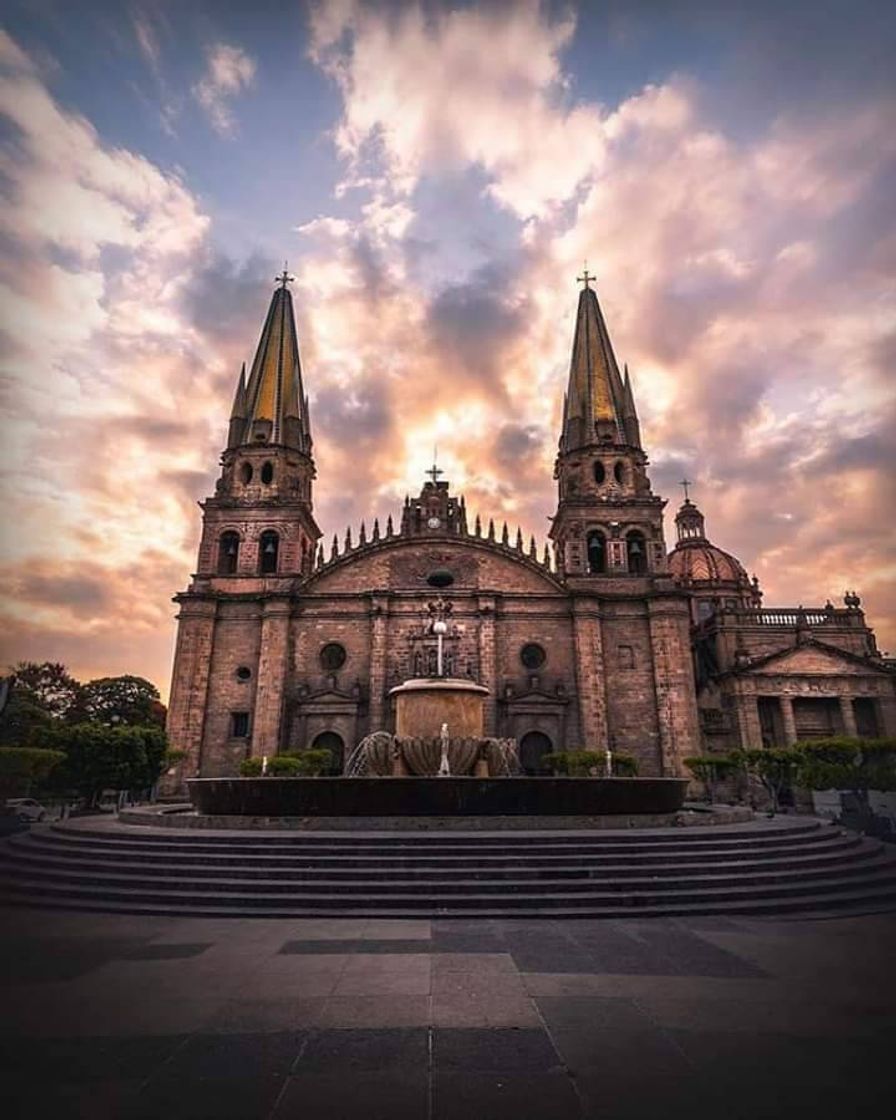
(109, 1016)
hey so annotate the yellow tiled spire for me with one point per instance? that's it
(273, 408)
(598, 403)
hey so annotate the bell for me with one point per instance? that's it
(635, 546)
(231, 549)
(270, 548)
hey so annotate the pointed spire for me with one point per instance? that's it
(546, 559)
(505, 535)
(362, 536)
(376, 529)
(477, 528)
(533, 551)
(594, 406)
(274, 407)
(348, 539)
(319, 563)
(390, 530)
(629, 412)
(238, 412)
(519, 539)
(334, 551)
(491, 529)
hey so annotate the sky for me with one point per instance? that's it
(436, 174)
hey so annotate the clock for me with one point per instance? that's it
(433, 523)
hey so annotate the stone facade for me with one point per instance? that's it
(281, 646)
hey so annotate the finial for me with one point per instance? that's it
(533, 551)
(586, 278)
(491, 528)
(546, 559)
(434, 471)
(389, 527)
(362, 536)
(685, 484)
(376, 529)
(284, 278)
(519, 539)
(505, 535)
(477, 527)
(348, 539)
(334, 551)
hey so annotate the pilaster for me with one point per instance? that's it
(590, 688)
(488, 660)
(189, 681)
(379, 615)
(673, 675)
(272, 667)
(787, 719)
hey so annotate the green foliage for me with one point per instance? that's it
(305, 764)
(99, 757)
(582, 763)
(127, 700)
(23, 719)
(844, 763)
(50, 686)
(711, 769)
(22, 766)
(775, 769)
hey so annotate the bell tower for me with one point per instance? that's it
(608, 520)
(260, 520)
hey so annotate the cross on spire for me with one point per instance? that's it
(434, 472)
(586, 277)
(284, 278)
(684, 484)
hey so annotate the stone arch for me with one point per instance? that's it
(331, 741)
(228, 553)
(534, 745)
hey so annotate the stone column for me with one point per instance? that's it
(189, 681)
(675, 690)
(590, 675)
(488, 661)
(272, 668)
(849, 717)
(749, 725)
(789, 722)
(379, 618)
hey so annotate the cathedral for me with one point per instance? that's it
(603, 640)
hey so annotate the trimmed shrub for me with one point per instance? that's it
(775, 769)
(584, 764)
(283, 766)
(21, 766)
(710, 769)
(313, 763)
(250, 768)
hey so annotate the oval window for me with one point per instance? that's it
(619, 473)
(244, 673)
(599, 473)
(246, 472)
(332, 656)
(533, 656)
(441, 577)
(267, 473)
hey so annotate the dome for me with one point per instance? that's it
(700, 561)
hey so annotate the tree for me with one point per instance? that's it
(51, 687)
(711, 769)
(22, 720)
(21, 766)
(775, 769)
(126, 700)
(98, 757)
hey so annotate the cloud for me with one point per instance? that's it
(228, 72)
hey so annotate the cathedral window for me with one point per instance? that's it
(267, 473)
(268, 551)
(239, 725)
(597, 552)
(599, 472)
(636, 552)
(228, 553)
(332, 656)
(441, 577)
(246, 473)
(619, 472)
(533, 655)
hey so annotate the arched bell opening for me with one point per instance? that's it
(268, 552)
(228, 553)
(636, 553)
(597, 552)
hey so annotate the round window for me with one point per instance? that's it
(619, 473)
(244, 673)
(441, 577)
(332, 656)
(533, 656)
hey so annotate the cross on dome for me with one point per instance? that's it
(684, 484)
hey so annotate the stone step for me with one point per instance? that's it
(799, 860)
(241, 901)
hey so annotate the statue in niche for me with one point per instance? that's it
(418, 664)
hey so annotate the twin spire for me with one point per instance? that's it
(599, 405)
(271, 406)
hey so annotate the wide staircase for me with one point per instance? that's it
(777, 866)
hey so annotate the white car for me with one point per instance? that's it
(26, 808)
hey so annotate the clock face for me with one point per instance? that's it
(433, 523)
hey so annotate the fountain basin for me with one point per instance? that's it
(423, 704)
(425, 797)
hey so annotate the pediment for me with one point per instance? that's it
(814, 659)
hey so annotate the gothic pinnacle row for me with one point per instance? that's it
(598, 405)
(271, 406)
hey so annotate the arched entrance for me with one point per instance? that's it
(330, 741)
(534, 745)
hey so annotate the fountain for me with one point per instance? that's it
(439, 763)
